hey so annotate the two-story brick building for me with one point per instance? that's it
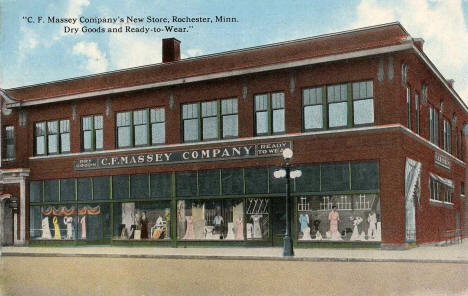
(183, 152)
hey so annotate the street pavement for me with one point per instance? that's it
(455, 253)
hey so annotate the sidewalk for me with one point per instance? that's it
(457, 253)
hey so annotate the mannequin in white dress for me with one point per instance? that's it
(45, 229)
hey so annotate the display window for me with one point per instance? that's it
(210, 219)
(142, 220)
(69, 222)
(257, 213)
(339, 218)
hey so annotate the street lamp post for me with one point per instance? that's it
(288, 249)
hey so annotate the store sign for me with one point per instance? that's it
(442, 161)
(184, 156)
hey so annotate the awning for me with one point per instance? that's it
(446, 182)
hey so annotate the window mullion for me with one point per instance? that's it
(269, 114)
(324, 107)
(219, 118)
(200, 123)
(132, 130)
(93, 135)
(148, 127)
(349, 94)
(46, 139)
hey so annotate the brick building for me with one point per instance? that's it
(183, 152)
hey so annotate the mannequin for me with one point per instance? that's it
(257, 231)
(333, 217)
(304, 221)
(189, 232)
(355, 236)
(45, 229)
(306, 234)
(83, 227)
(56, 228)
(144, 225)
(240, 229)
(180, 219)
(249, 227)
(69, 222)
(372, 231)
(230, 234)
(218, 222)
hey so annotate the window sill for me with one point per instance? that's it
(439, 203)
(8, 159)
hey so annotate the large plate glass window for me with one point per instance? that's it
(142, 220)
(337, 97)
(363, 102)
(210, 220)
(342, 217)
(257, 217)
(313, 108)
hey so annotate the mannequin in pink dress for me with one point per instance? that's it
(83, 227)
(189, 231)
(240, 229)
(334, 217)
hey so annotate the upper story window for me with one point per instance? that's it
(9, 139)
(140, 128)
(404, 73)
(448, 195)
(52, 137)
(417, 111)
(433, 126)
(229, 118)
(269, 114)
(447, 136)
(92, 133)
(337, 99)
(424, 94)
(363, 102)
(210, 120)
(408, 107)
(312, 100)
(435, 189)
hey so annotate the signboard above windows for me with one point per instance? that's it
(184, 156)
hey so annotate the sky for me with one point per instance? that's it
(32, 53)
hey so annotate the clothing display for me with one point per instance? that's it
(137, 234)
(306, 234)
(69, 222)
(230, 234)
(83, 227)
(45, 229)
(189, 232)
(240, 229)
(56, 228)
(144, 227)
(318, 236)
(372, 231)
(355, 236)
(156, 233)
(249, 227)
(128, 215)
(257, 231)
(209, 232)
(180, 218)
(333, 217)
(198, 222)
(303, 221)
(167, 230)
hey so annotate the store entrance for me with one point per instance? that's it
(278, 221)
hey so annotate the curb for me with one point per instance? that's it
(215, 257)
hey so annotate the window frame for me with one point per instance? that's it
(46, 135)
(93, 131)
(269, 111)
(353, 99)
(447, 135)
(323, 104)
(219, 119)
(148, 125)
(9, 130)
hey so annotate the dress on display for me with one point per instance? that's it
(45, 229)
(144, 228)
(333, 217)
(189, 231)
(180, 218)
(372, 231)
(306, 234)
(257, 231)
(240, 229)
(304, 221)
(56, 228)
(230, 234)
(68, 221)
(249, 227)
(83, 227)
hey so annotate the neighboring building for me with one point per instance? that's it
(183, 153)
